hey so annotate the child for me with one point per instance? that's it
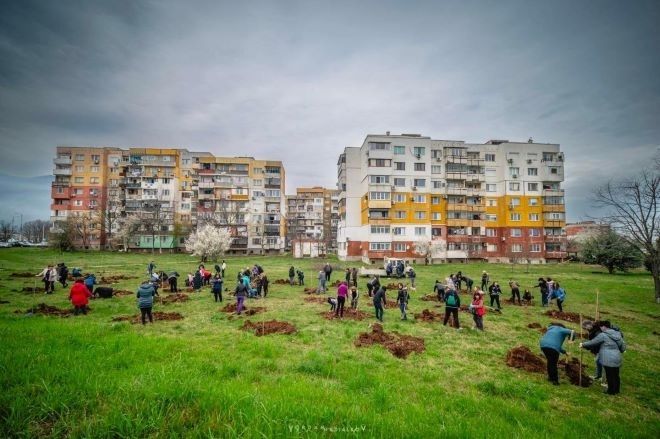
(333, 303)
(354, 297)
(478, 309)
(527, 298)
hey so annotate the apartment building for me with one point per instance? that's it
(414, 197)
(171, 191)
(312, 218)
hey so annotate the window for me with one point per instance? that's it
(419, 199)
(399, 150)
(399, 198)
(535, 248)
(491, 188)
(491, 202)
(516, 233)
(400, 247)
(399, 166)
(491, 247)
(379, 195)
(399, 182)
(491, 232)
(420, 166)
(532, 172)
(436, 169)
(96, 158)
(514, 202)
(95, 169)
(379, 146)
(436, 216)
(79, 180)
(532, 187)
(420, 231)
(534, 232)
(77, 203)
(400, 214)
(419, 151)
(514, 186)
(380, 229)
(166, 192)
(437, 184)
(379, 246)
(419, 182)
(80, 157)
(554, 170)
(257, 182)
(420, 215)
(379, 179)
(380, 163)
(435, 200)
(516, 248)
(515, 217)
(533, 202)
(489, 157)
(80, 168)
(533, 217)
(514, 171)
(398, 231)
(491, 217)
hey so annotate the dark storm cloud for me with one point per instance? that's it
(300, 80)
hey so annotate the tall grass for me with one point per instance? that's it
(88, 376)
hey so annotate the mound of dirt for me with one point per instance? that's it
(157, 315)
(281, 282)
(521, 357)
(573, 371)
(124, 293)
(429, 316)
(566, 316)
(174, 298)
(231, 308)
(535, 326)
(430, 297)
(348, 314)
(269, 327)
(399, 345)
(115, 279)
(316, 299)
(49, 310)
(24, 274)
(309, 291)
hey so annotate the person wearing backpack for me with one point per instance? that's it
(478, 308)
(402, 300)
(611, 345)
(452, 305)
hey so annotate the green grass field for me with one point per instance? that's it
(202, 376)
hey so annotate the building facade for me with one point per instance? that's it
(312, 218)
(170, 191)
(414, 197)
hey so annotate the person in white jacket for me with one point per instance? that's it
(48, 276)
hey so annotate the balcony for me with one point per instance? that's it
(554, 208)
(62, 171)
(553, 192)
(62, 160)
(206, 185)
(60, 193)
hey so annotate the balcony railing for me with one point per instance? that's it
(62, 161)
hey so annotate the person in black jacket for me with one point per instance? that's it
(379, 302)
(494, 290)
(545, 290)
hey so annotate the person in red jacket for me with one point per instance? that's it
(79, 296)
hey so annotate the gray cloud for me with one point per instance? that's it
(300, 80)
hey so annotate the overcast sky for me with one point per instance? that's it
(298, 81)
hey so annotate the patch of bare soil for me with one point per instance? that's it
(573, 371)
(231, 308)
(399, 345)
(392, 287)
(511, 302)
(536, 326)
(157, 315)
(521, 357)
(429, 316)
(124, 293)
(269, 327)
(566, 316)
(316, 299)
(430, 297)
(352, 314)
(309, 291)
(48, 310)
(282, 282)
(24, 274)
(174, 298)
(115, 279)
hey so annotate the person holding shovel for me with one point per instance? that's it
(551, 345)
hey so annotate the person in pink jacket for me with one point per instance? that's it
(342, 293)
(79, 296)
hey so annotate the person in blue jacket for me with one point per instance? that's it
(145, 296)
(90, 281)
(216, 288)
(551, 345)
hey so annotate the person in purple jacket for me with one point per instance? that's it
(342, 293)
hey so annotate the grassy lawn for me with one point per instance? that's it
(204, 376)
